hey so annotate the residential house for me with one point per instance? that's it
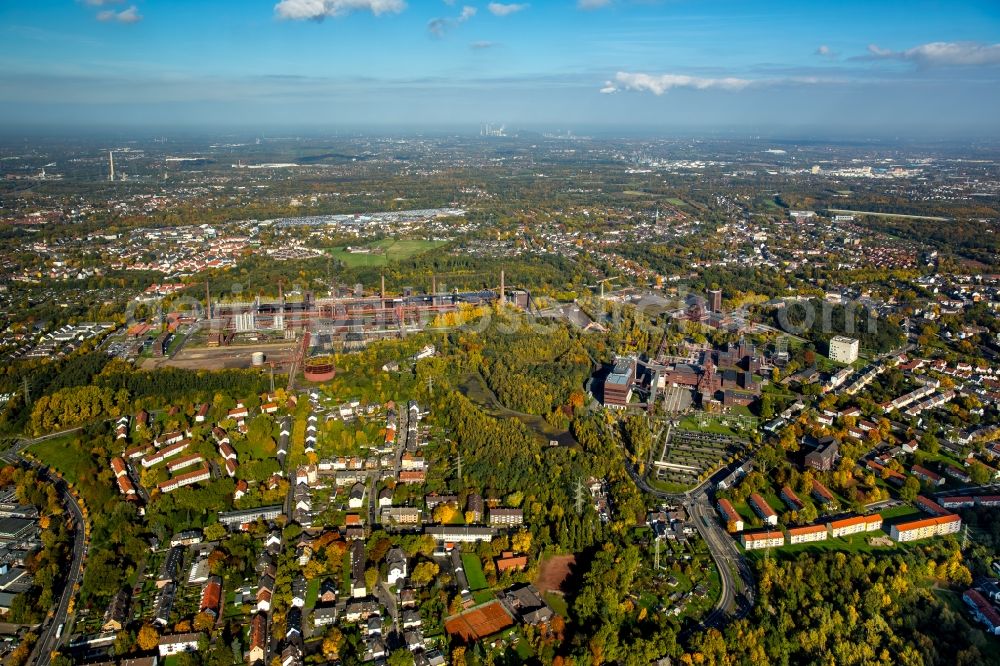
(732, 519)
(763, 509)
(172, 644)
(211, 597)
(854, 525)
(925, 528)
(791, 499)
(506, 517)
(983, 610)
(758, 540)
(510, 562)
(807, 534)
(927, 476)
(258, 638)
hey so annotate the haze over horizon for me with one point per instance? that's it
(896, 68)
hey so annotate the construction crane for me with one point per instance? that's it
(601, 283)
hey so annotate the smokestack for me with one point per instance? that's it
(382, 292)
(503, 294)
(208, 301)
(281, 291)
(111, 163)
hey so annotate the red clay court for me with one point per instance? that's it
(479, 622)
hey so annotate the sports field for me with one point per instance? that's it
(479, 622)
(383, 252)
(473, 571)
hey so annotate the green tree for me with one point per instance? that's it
(401, 657)
(214, 532)
(980, 473)
(910, 489)
(424, 573)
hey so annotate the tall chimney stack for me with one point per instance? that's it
(503, 291)
(111, 164)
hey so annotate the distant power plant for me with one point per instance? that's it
(489, 129)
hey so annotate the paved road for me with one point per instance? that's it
(388, 599)
(736, 599)
(47, 641)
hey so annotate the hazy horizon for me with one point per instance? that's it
(843, 69)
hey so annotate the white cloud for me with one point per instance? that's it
(658, 84)
(439, 26)
(500, 9)
(943, 54)
(825, 51)
(102, 3)
(592, 4)
(482, 45)
(661, 83)
(317, 10)
(130, 15)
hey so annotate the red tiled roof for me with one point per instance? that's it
(757, 536)
(807, 529)
(927, 522)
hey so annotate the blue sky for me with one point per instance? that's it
(685, 65)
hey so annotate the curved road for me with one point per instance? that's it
(47, 641)
(736, 577)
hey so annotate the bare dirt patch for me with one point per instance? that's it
(235, 356)
(553, 572)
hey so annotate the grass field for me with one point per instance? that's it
(474, 572)
(175, 342)
(60, 456)
(312, 592)
(523, 649)
(667, 486)
(482, 596)
(391, 250)
(558, 603)
(712, 426)
(902, 511)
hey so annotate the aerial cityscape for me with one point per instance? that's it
(455, 333)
